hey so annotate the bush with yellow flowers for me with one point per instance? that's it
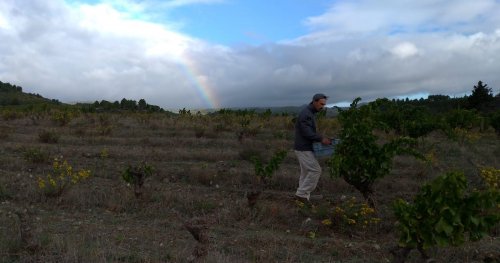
(491, 177)
(352, 214)
(60, 178)
(349, 214)
(62, 117)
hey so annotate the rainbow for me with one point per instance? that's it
(200, 82)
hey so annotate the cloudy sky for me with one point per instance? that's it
(243, 53)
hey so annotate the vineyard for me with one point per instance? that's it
(405, 185)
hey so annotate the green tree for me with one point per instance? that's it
(142, 104)
(128, 104)
(481, 97)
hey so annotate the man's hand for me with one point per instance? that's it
(326, 141)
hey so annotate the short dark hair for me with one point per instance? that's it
(319, 96)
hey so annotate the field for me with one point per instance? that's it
(202, 173)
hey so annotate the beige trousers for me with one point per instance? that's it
(310, 171)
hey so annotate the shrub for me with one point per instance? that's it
(491, 177)
(459, 123)
(495, 121)
(246, 129)
(353, 213)
(247, 132)
(444, 214)
(266, 171)
(406, 120)
(60, 179)
(35, 155)
(359, 158)
(10, 115)
(349, 214)
(263, 173)
(46, 136)
(136, 175)
(61, 118)
(460, 118)
(461, 135)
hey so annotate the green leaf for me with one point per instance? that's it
(443, 226)
(474, 220)
(442, 241)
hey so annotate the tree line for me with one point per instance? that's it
(481, 100)
(12, 95)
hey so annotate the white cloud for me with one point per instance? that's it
(176, 3)
(404, 50)
(157, 40)
(4, 25)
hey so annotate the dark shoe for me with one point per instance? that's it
(302, 202)
(301, 199)
(315, 197)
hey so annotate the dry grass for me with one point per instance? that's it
(198, 177)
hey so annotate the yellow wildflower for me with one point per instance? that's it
(104, 153)
(52, 182)
(299, 203)
(41, 183)
(326, 222)
(84, 174)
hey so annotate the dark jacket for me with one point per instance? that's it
(305, 129)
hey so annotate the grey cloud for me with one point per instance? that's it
(443, 64)
(46, 50)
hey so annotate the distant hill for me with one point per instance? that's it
(12, 95)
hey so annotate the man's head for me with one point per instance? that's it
(319, 101)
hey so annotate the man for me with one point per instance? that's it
(305, 135)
